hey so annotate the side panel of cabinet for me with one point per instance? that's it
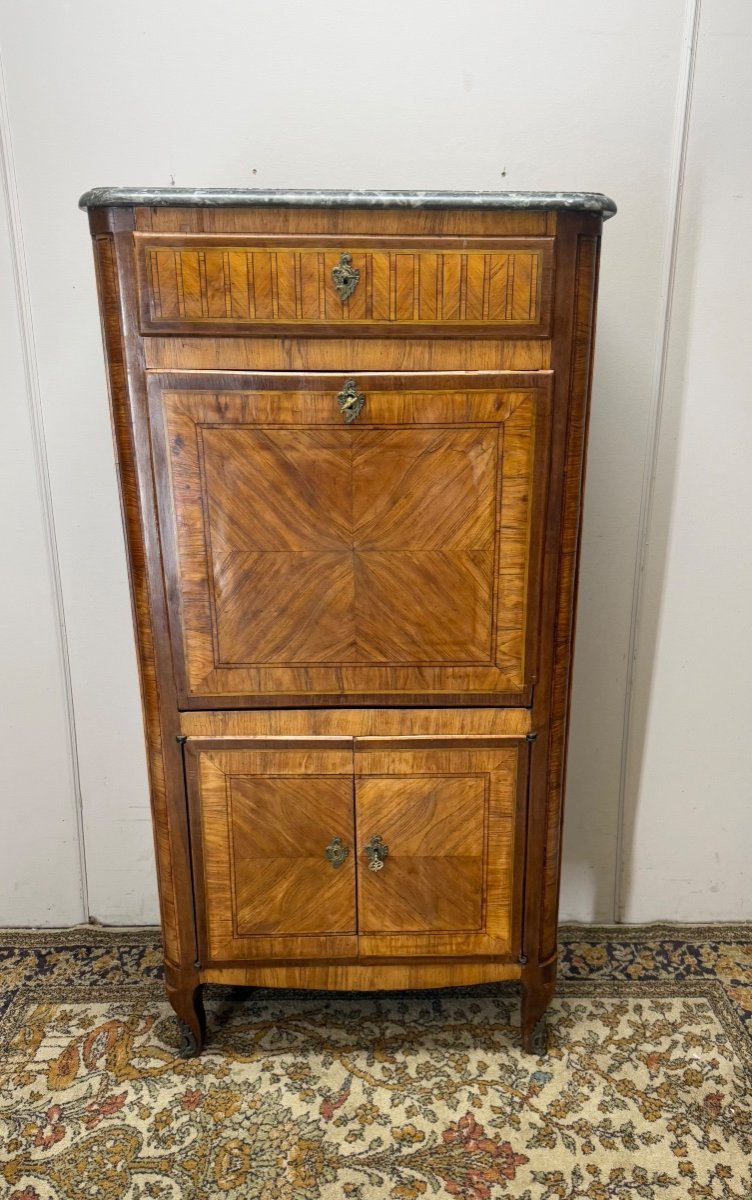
(263, 819)
(440, 845)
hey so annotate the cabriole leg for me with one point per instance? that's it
(184, 993)
(537, 989)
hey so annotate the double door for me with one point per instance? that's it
(357, 847)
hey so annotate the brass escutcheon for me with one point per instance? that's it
(336, 852)
(376, 851)
(350, 401)
(346, 277)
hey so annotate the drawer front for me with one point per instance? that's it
(393, 559)
(432, 827)
(245, 286)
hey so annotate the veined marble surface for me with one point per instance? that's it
(163, 197)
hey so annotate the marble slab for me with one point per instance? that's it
(127, 197)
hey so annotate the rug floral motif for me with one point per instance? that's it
(645, 1091)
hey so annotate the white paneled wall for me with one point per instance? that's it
(688, 818)
(41, 877)
(488, 94)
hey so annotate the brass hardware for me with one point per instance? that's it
(376, 852)
(350, 401)
(336, 852)
(346, 277)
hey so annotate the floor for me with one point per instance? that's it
(645, 1090)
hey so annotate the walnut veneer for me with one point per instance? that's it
(351, 439)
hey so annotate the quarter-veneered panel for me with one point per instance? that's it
(389, 559)
(434, 828)
(274, 847)
(280, 827)
(439, 846)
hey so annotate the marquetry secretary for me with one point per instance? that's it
(350, 431)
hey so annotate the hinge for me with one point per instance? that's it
(522, 960)
(181, 738)
(531, 737)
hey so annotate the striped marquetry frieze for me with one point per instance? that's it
(479, 284)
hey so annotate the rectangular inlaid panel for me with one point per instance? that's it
(434, 830)
(446, 820)
(241, 286)
(262, 820)
(392, 557)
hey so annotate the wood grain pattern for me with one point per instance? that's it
(342, 612)
(299, 546)
(280, 826)
(351, 354)
(233, 285)
(348, 222)
(579, 386)
(574, 309)
(111, 255)
(360, 722)
(364, 976)
(262, 819)
(435, 828)
(449, 816)
(262, 814)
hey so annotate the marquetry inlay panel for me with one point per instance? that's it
(265, 818)
(447, 814)
(225, 286)
(385, 557)
(448, 817)
(435, 829)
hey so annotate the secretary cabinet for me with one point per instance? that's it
(350, 431)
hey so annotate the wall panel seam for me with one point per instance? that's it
(36, 422)
(652, 443)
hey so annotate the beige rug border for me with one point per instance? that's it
(711, 990)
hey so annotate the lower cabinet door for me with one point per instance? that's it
(345, 847)
(273, 856)
(440, 829)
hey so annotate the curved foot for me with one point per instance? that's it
(537, 1043)
(184, 993)
(189, 1044)
(537, 990)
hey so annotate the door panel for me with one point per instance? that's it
(434, 828)
(283, 883)
(263, 821)
(450, 818)
(391, 560)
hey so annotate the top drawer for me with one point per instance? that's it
(251, 286)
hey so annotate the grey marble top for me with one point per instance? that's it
(125, 197)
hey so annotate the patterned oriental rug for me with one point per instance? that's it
(313, 1096)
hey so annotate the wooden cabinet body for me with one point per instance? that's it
(350, 432)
